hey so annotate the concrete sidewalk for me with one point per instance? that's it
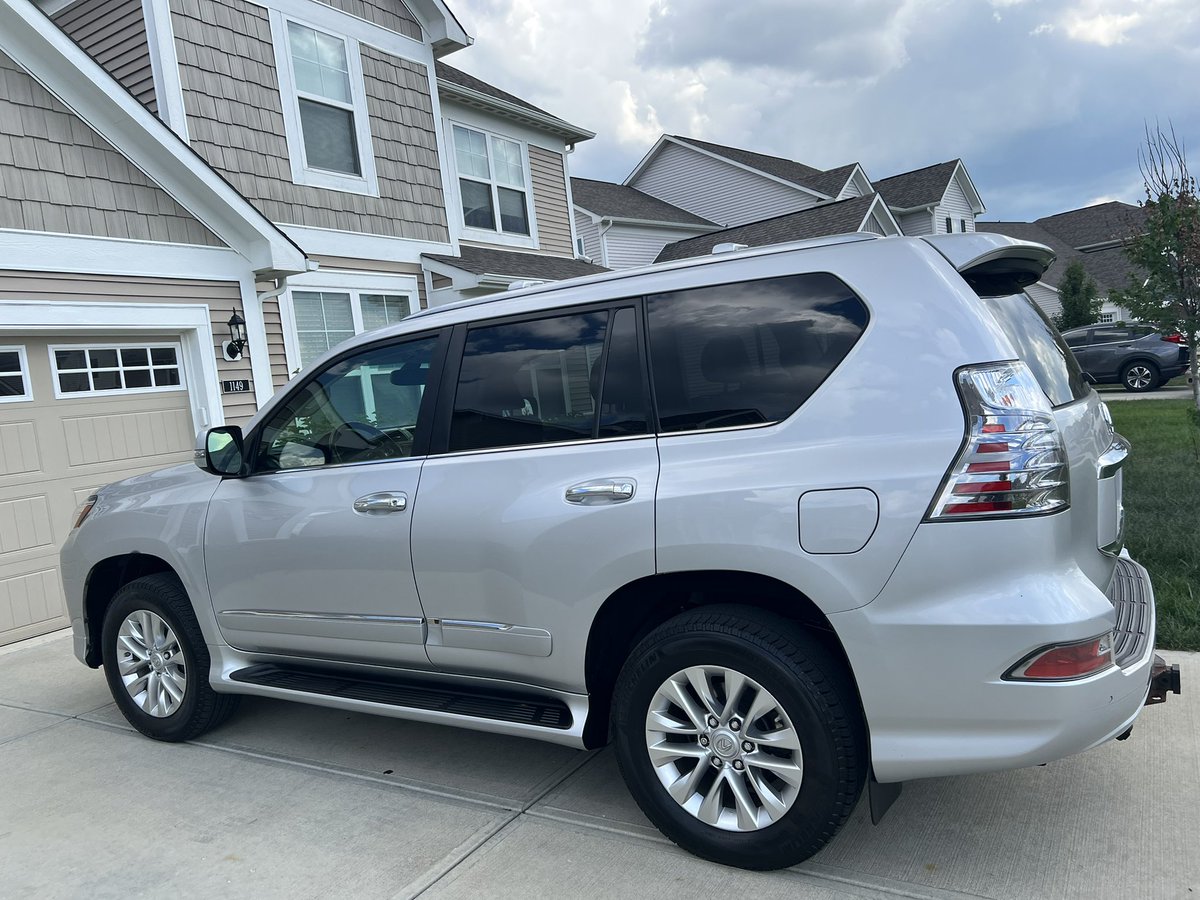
(294, 801)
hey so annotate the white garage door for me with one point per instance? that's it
(75, 414)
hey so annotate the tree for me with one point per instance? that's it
(1168, 249)
(1080, 303)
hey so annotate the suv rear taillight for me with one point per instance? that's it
(1013, 462)
(1174, 337)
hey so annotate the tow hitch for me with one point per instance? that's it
(1164, 679)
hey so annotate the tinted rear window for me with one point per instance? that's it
(748, 353)
(1041, 347)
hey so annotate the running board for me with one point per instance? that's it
(488, 705)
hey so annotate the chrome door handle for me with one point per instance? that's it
(385, 502)
(607, 490)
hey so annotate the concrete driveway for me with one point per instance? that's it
(1170, 392)
(294, 801)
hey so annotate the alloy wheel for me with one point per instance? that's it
(724, 748)
(151, 663)
(1139, 377)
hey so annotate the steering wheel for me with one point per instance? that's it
(377, 444)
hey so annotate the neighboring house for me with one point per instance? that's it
(866, 214)
(166, 162)
(938, 199)
(1093, 236)
(620, 227)
(731, 186)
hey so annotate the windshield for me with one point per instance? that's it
(1041, 347)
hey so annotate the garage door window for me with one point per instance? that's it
(115, 369)
(14, 375)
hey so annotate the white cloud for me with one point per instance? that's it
(1043, 115)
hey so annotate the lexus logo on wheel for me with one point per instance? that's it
(724, 745)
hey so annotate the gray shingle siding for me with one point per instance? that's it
(550, 201)
(390, 14)
(59, 175)
(235, 121)
(113, 33)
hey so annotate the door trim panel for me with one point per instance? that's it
(467, 634)
(349, 626)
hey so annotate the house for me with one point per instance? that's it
(1094, 237)
(620, 227)
(937, 199)
(312, 167)
(757, 198)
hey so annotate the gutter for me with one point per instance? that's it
(544, 121)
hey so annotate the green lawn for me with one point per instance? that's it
(1162, 505)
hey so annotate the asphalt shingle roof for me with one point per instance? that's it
(514, 264)
(920, 187)
(1113, 221)
(828, 182)
(462, 79)
(623, 202)
(841, 217)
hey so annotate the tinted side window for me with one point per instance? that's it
(1079, 339)
(1110, 335)
(528, 382)
(748, 353)
(623, 404)
(361, 408)
(1041, 347)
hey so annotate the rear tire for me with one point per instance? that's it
(1139, 376)
(156, 662)
(749, 799)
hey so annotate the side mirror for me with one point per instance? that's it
(219, 451)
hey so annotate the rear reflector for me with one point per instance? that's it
(1013, 462)
(1062, 662)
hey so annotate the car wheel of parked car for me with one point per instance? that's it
(156, 662)
(739, 736)
(1139, 376)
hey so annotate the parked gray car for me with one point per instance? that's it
(1139, 357)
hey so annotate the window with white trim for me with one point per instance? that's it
(1105, 318)
(493, 179)
(14, 375)
(324, 107)
(100, 369)
(326, 318)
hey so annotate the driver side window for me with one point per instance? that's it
(362, 408)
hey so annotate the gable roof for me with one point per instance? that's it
(457, 85)
(619, 201)
(841, 217)
(514, 264)
(1103, 223)
(787, 169)
(831, 181)
(1109, 268)
(920, 187)
(39, 47)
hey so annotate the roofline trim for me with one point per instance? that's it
(656, 223)
(59, 65)
(878, 203)
(523, 114)
(725, 159)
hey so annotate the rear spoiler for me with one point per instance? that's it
(993, 264)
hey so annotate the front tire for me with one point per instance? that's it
(1139, 377)
(740, 737)
(156, 662)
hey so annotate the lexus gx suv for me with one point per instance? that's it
(783, 525)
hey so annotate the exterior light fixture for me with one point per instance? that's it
(237, 334)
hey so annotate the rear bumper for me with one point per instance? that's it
(931, 682)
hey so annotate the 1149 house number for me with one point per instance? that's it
(235, 387)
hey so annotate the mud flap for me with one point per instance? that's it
(881, 797)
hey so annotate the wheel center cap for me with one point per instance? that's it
(156, 661)
(724, 744)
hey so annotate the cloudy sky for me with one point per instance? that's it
(1045, 100)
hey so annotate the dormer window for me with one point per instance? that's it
(492, 182)
(324, 107)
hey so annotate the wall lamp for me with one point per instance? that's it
(237, 334)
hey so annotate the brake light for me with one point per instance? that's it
(1174, 337)
(1014, 462)
(1061, 662)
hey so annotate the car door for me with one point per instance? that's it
(1107, 350)
(541, 504)
(309, 554)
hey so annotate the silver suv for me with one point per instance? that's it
(778, 524)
